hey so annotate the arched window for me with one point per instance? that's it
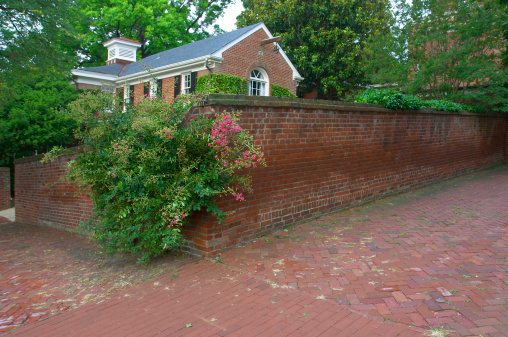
(258, 83)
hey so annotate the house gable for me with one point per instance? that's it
(247, 54)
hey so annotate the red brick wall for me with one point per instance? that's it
(5, 188)
(240, 59)
(139, 92)
(323, 158)
(168, 88)
(44, 197)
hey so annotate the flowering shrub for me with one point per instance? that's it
(150, 167)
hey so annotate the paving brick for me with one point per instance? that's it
(447, 225)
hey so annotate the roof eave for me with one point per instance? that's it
(93, 74)
(169, 67)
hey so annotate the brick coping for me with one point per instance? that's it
(68, 151)
(301, 103)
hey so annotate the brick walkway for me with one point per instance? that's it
(434, 257)
(44, 271)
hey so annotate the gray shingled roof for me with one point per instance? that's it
(112, 69)
(175, 55)
(186, 52)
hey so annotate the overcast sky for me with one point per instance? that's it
(228, 21)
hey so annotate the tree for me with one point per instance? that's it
(157, 24)
(324, 39)
(29, 120)
(37, 37)
(444, 50)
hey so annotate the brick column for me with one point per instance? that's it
(5, 188)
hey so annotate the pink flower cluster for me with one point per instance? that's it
(238, 196)
(173, 221)
(167, 133)
(220, 132)
(120, 148)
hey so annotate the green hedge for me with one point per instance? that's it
(392, 99)
(222, 84)
(278, 91)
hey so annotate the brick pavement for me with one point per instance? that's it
(434, 257)
(44, 271)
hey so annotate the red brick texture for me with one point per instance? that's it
(248, 54)
(44, 197)
(324, 157)
(321, 156)
(5, 188)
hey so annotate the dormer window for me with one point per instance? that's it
(258, 83)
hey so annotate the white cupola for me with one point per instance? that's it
(121, 50)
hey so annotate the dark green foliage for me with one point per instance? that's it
(390, 99)
(30, 121)
(150, 167)
(454, 53)
(278, 91)
(37, 37)
(222, 84)
(441, 105)
(158, 25)
(393, 99)
(324, 39)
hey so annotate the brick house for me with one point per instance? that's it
(250, 52)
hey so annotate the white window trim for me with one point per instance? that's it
(265, 80)
(153, 89)
(186, 90)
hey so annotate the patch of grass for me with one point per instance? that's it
(437, 332)
(453, 291)
(319, 236)
(267, 240)
(361, 220)
(363, 233)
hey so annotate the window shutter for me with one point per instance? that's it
(131, 94)
(177, 86)
(193, 81)
(159, 87)
(146, 88)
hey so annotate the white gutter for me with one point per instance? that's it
(93, 74)
(174, 66)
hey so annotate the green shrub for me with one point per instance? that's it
(222, 84)
(278, 91)
(149, 168)
(390, 99)
(443, 105)
(474, 108)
